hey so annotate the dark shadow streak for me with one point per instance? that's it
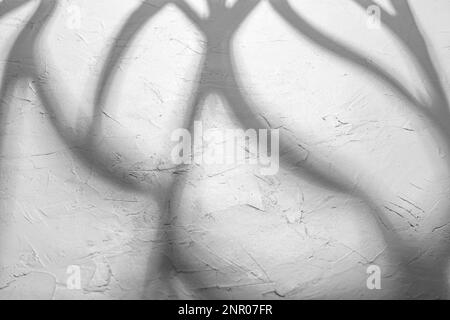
(219, 30)
(436, 112)
(22, 65)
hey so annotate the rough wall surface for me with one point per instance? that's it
(86, 174)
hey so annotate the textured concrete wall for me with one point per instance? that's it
(87, 180)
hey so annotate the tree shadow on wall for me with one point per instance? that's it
(219, 29)
(23, 66)
(427, 277)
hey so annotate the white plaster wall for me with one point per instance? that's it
(236, 234)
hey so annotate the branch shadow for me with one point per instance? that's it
(436, 111)
(22, 66)
(219, 30)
